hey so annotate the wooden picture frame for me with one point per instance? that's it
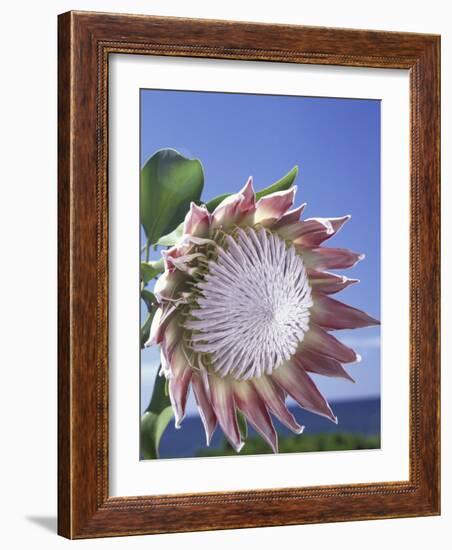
(86, 40)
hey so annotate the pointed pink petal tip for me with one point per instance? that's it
(235, 208)
(297, 383)
(338, 223)
(323, 258)
(274, 400)
(178, 386)
(320, 364)
(222, 399)
(248, 190)
(290, 217)
(206, 412)
(319, 341)
(206, 432)
(247, 200)
(178, 421)
(275, 205)
(253, 407)
(329, 283)
(312, 232)
(155, 329)
(197, 220)
(334, 315)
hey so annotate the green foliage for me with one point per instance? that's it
(155, 419)
(150, 270)
(169, 183)
(243, 426)
(172, 238)
(145, 330)
(149, 299)
(281, 185)
(340, 441)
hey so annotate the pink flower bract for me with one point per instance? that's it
(245, 313)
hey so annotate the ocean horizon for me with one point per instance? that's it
(358, 416)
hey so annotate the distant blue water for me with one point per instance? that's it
(358, 416)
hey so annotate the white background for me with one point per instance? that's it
(129, 476)
(28, 274)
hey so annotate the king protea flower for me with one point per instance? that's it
(245, 313)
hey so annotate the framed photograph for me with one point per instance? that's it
(248, 275)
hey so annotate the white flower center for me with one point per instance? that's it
(253, 310)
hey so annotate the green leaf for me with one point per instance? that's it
(155, 419)
(150, 270)
(243, 426)
(281, 185)
(172, 238)
(149, 299)
(169, 183)
(152, 428)
(159, 399)
(146, 329)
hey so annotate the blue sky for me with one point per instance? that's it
(336, 145)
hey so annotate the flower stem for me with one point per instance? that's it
(148, 246)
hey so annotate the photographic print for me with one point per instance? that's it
(259, 274)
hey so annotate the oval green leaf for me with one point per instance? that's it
(169, 183)
(155, 419)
